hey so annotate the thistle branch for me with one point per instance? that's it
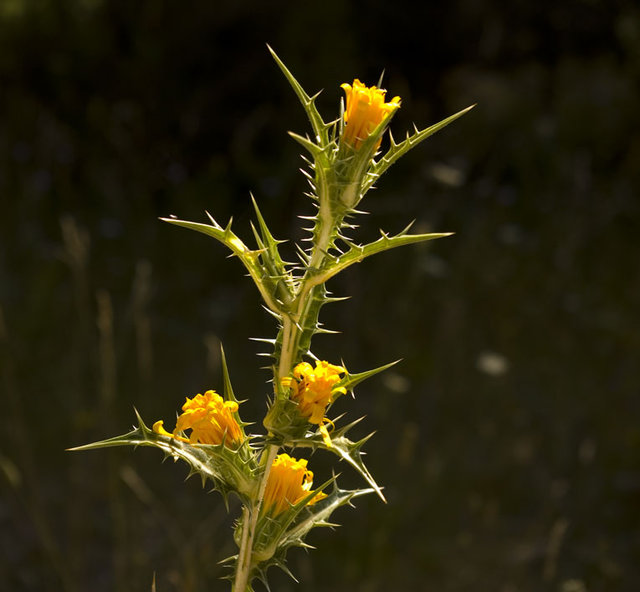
(344, 165)
(245, 563)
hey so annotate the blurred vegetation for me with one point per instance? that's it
(509, 438)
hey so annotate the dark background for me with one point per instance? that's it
(508, 440)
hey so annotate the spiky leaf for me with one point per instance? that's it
(356, 253)
(341, 446)
(275, 535)
(270, 258)
(351, 380)
(400, 149)
(266, 283)
(230, 471)
(317, 123)
(283, 421)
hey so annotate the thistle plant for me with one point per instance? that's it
(267, 471)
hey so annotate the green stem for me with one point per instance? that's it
(291, 333)
(250, 516)
(289, 340)
(295, 324)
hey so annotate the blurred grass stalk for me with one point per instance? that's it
(22, 471)
(87, 345)
(108, 391)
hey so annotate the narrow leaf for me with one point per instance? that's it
(307, 144)
(355, 254)
(276, 535)
(344, 448)
(271, 259)
(260, 276)
(351, 380)
(319, 514)
(227, 388)
(317, 123)
(398, 150)
(229, 470)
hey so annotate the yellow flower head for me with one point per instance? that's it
(365, 110)
(289, 481)
(210, 419)
(313, 389)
